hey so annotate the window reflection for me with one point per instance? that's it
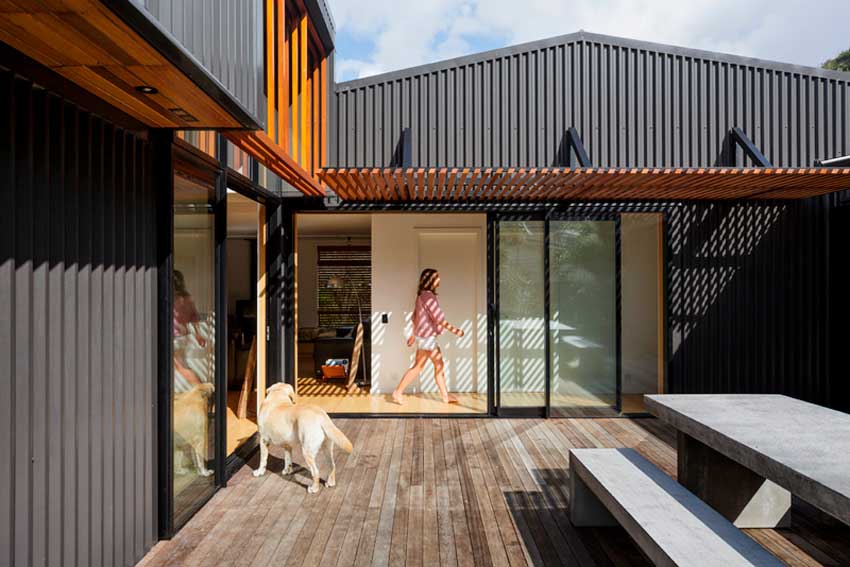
(522, 335)
(582, 311)
(193, 332)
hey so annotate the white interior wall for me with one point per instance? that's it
(640, 281)
(397, 241)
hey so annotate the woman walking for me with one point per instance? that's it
(429, 322)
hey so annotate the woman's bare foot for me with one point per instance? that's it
(397, 398)
(450, 399)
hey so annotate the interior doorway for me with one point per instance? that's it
(357, 276)
(246, 342)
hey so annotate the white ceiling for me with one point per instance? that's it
(334, 224)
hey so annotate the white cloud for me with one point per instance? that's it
(399, 35)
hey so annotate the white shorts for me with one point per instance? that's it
(426, 343)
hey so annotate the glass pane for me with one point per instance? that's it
(193, 343)
(522, 352)
(582, 271)
(642, 299)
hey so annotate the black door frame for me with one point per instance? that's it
(605, 216)
(290, 206)
(167, 151)
(169, 156)
(293, 206)
(588, 212)
(247, 188)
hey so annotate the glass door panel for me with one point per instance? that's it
(193, 339)
(642, 311)
(582, 315)
(521, 330)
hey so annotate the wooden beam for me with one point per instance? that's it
(315, 111)
(270, 68)
(264, 149)
(294, 46)
(302, 95)
(282, 78)
(308, 122)
(527, 184)
(323, 115)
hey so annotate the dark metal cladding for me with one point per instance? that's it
(226, 37)
(748, 284)
(635, 104)
(77, 335)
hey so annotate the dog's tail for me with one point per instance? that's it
(338, 437)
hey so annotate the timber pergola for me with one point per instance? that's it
(583, 183)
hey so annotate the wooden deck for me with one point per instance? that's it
(449, 492)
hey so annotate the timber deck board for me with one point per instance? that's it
(449, 492)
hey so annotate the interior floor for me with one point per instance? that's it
(243, 262)
(567, 404)
(334, 397)
(239, 430)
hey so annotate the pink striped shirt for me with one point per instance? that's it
(428, 317)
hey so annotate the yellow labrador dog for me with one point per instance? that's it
(191, 411)
(282, 423)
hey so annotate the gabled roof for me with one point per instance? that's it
(583, 36)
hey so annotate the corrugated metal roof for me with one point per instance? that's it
(635, 104)
(582, 35)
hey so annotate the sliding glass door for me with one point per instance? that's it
(557, 342)
(521, 328)
(582, 315)
(193, 344)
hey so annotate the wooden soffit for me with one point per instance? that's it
(95, 47)
(545, 184)
(262, 148)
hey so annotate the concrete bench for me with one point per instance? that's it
(746, 454)
(672, 526)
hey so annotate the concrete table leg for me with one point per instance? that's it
(743, 497)
(586, 511)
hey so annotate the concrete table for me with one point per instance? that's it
(745, 455)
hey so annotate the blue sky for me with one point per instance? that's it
(375, 36)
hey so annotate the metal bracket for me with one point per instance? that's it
(841, 161)
(574, 140)
(739, 138)
(403, 156)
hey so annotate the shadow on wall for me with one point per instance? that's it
(748, 298)
(78, 320)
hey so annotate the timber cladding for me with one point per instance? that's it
(77, 335)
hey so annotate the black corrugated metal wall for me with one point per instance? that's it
(635, 104)
(748, 283)
(77, 335)
(748, 298)
(226, 36)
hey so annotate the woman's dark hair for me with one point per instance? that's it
(427, 281)
(179, 283)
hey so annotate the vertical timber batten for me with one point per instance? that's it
(302, 91)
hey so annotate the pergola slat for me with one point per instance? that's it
(583, 183)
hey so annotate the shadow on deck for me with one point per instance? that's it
(449, 492)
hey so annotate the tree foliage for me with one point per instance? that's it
(840, 62)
